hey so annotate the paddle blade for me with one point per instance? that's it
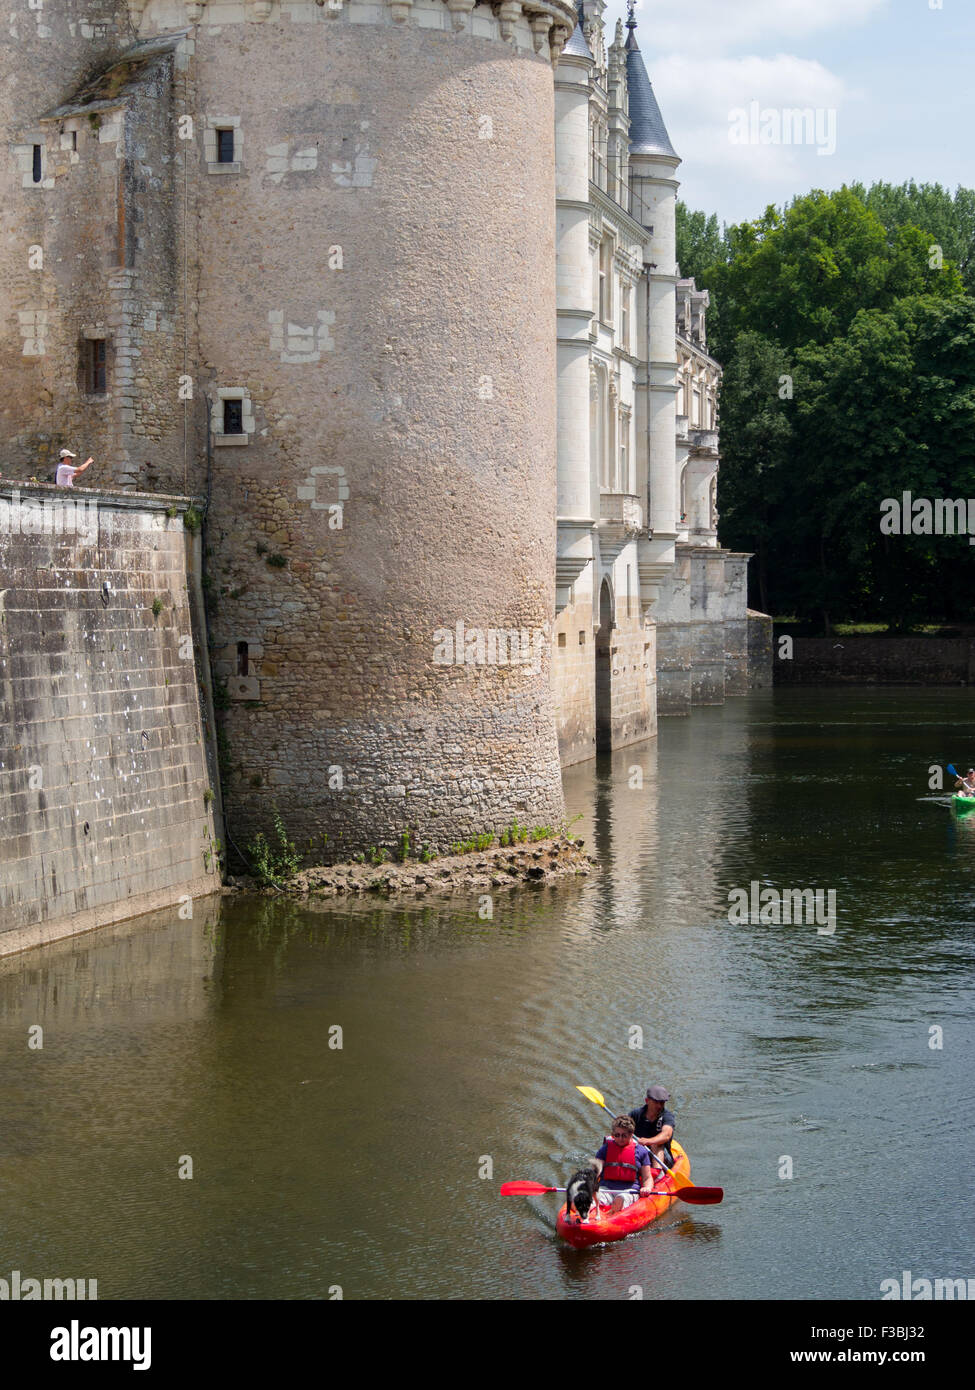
(701, 1196)
(952, 770)
(525, 1189)
(679, 1179)
(592, 1094)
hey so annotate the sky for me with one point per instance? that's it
(890, 84)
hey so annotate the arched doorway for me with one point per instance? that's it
(604, 664)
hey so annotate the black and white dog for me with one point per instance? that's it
(580, 1194)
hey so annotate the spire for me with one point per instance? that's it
(648, 134)
(577, 46)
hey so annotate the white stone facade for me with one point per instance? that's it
(638, 418)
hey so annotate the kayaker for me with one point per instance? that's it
(624, 1167)
(654, 1125)
(966, 784)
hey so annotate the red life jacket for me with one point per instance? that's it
(620, 1164)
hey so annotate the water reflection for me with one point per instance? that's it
(463, 1040)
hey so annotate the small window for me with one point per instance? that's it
(242, 658)
(582, 638)
(561, 639)
(233, 417)
(225, 146)
(96, 374)
(37, 175)
(74, 139)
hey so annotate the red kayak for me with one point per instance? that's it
(601, 1228)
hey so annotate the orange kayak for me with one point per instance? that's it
(601, 1227)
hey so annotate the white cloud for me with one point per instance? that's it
(715, 25)
(710, 99)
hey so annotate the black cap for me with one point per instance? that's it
(658, 1093)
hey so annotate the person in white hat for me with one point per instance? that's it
(66, 472)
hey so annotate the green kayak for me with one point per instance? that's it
(963, 803)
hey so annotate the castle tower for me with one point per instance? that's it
(653, 164)
(577, 506)
(351, 247)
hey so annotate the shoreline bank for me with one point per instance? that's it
(539, 863)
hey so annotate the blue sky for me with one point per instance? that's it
(895, 74)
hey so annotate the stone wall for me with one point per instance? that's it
(876, 661)
(574, 681)
(760, 654)
(106, 807)
(95, 252)
(709, 644)
(377, 281)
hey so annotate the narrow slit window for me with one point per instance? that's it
(242, 658)
(96, 373)
(225, 146)
(74, 139)
(233, 417)
(37, 172)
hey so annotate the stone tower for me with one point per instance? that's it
(299, 260)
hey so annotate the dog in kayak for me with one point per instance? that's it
(580, 1193)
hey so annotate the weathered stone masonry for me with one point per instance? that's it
(106, 806)
(367, 280)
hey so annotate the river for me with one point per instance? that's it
(372, 1168)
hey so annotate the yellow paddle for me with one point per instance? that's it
(592, 1094)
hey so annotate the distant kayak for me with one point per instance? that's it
(963, 803)
(601, 1227)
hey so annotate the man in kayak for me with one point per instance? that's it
(624, 1168)
(654, 1124)
(966, 784)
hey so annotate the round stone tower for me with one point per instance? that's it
(372, 269)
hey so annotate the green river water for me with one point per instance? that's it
(317, 1168)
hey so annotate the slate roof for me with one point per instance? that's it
(648, 134)
(577, 44)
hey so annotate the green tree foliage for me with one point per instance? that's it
(839, 297)
(799, 276)
(700, 242)
(948, 219)
(756, 449)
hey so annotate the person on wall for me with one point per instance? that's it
(67, 473)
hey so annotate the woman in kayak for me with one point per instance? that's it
(624, 1167)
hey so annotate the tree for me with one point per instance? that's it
(800, 276)
(700, 244)
(948, 219)
(757, 444)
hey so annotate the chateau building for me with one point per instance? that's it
(651, 611)
(398, 311)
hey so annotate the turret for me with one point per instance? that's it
(329, 234)
(653, 164)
